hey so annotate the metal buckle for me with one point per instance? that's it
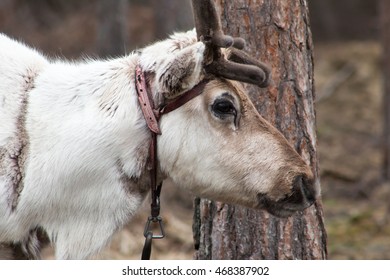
(148, 227)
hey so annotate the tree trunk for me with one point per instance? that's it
(111, 33)
(276, 32)
(384, 8)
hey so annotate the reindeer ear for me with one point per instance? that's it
(180, 71)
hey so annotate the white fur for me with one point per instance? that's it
(70, 177)
(72, 186)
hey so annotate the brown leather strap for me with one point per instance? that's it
(184, 98)
(156, 189)
(145, 101)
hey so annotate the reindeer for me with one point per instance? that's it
(75, 144)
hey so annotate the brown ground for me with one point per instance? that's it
(356, 201)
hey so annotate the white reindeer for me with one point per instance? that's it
(74, 144)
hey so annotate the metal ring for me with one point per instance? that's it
(148, 227)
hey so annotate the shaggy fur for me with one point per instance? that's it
(74, 145)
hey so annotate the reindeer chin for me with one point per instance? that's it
(281, 208)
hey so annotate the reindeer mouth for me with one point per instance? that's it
(303, 194)
(281, 208)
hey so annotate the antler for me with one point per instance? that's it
(239, 66)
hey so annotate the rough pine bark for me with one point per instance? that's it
(277, 32)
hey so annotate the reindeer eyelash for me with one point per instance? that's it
(222, 107)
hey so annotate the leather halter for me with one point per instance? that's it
(152, 116)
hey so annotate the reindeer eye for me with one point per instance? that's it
(223, 107)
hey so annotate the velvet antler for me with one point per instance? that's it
(239, 66)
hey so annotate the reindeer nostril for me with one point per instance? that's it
(305, 186)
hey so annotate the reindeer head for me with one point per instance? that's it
(217, 145)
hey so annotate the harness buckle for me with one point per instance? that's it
(149, 224)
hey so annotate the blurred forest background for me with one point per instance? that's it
(350, 112)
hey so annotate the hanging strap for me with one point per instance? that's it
(152, 116)
(154, 220)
